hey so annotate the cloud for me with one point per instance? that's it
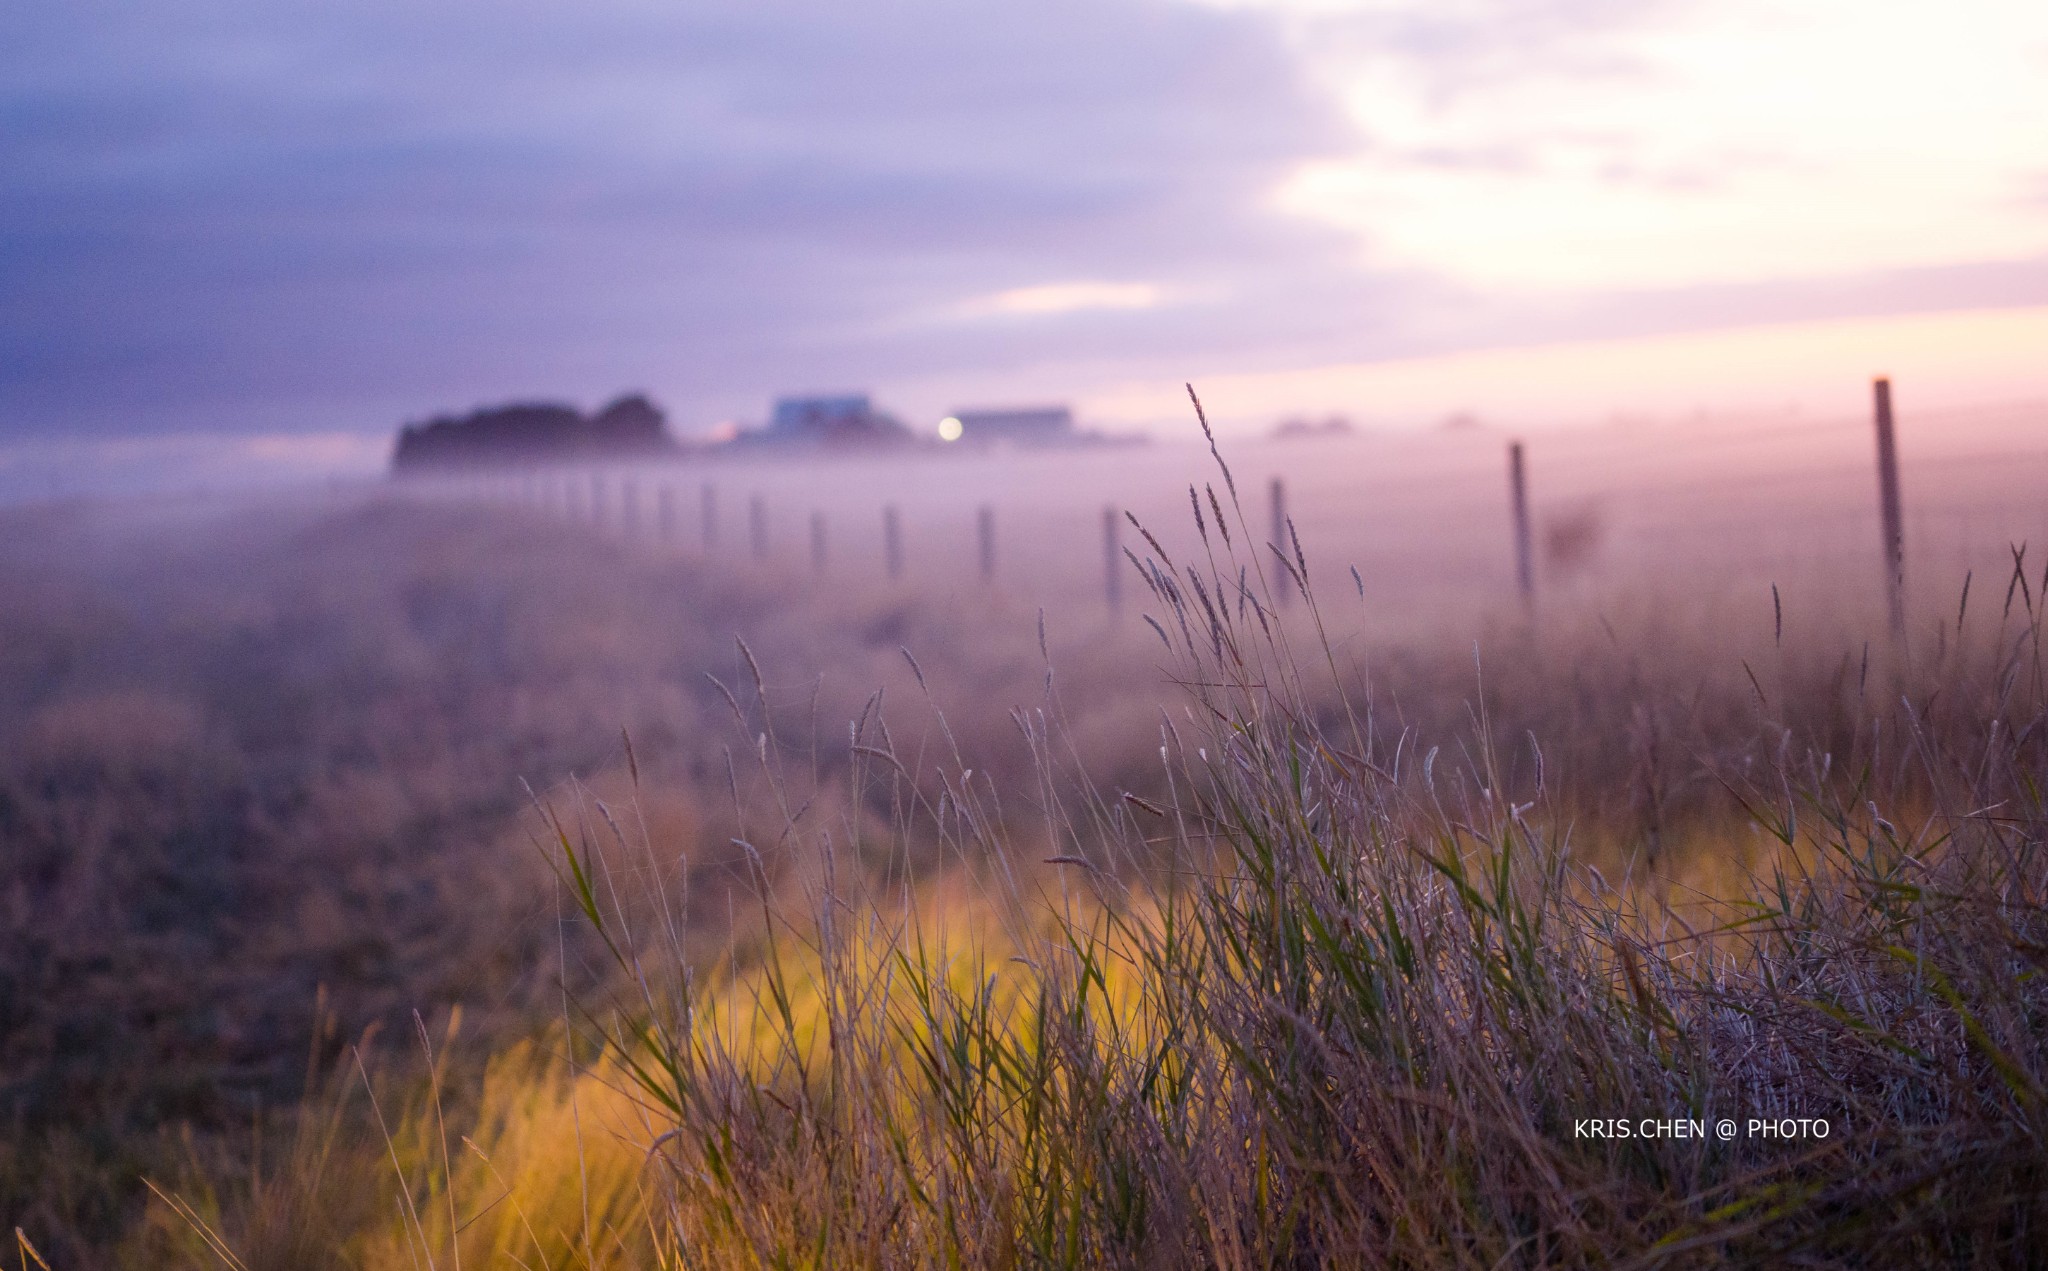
(311, 216)
(1062, 297)
(1581, 145)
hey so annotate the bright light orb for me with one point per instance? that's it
(950, 429)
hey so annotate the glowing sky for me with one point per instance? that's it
(1568, 147)
(243, 219)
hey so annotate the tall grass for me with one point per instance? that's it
(273, 759)
(1325, 994)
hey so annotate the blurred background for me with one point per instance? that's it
(912, 292)
(245, 243)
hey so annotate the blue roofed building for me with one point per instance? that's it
(839, 419)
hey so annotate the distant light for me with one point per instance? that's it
(950, 429)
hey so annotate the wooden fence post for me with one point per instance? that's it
(892, 541)
(629, 506)
(665, 515)
(1518, 489)
(985, 536)
(1283, 590)
(1112, 561)
(818, 542)
(710, 516)
(1891, 523)
(597, 509)
(757, 525)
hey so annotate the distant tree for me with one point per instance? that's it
(631, 422)
(532, 432)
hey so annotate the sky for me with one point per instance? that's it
(241, 229)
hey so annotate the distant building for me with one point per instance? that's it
(848, 419)
(1029, 426)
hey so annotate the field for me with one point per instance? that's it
(450, 873)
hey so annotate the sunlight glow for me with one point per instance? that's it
(1671, 145)
(1941, 359)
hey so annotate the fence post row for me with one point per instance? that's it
(1282, 589)
(985, 539)
(1891, 523)
(1518, 487)
(1112, 561)
(892, 540)
(578, 498)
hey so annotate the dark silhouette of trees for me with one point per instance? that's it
(534, 432)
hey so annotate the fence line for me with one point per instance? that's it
(1518, 495)
(985, 541)
(612, 500)
(892, 541)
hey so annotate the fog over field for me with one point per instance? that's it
(1721, 505)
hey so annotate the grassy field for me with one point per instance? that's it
(848, 923)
